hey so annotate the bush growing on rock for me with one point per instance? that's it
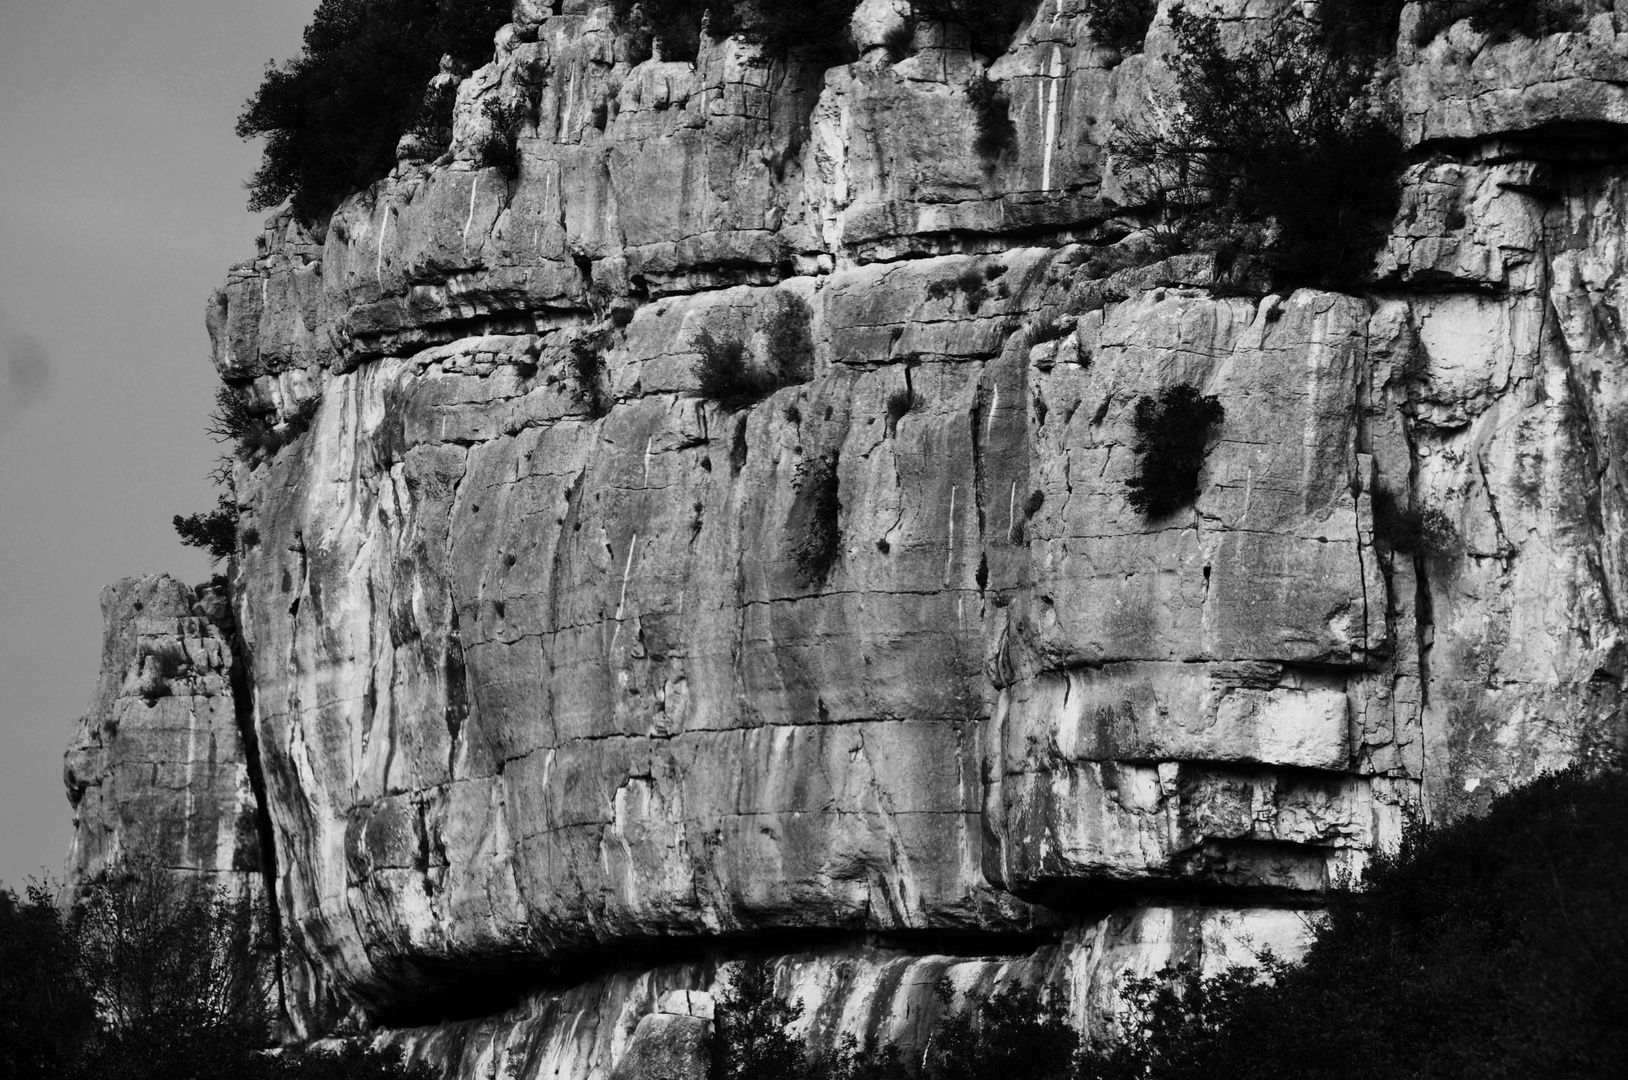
(994, 134)
(587, 367)
(726, 374)
(215, 531)
(1500, 19)
(1413, 530)
(1121, 24)
(499, 149)
(255, 428)
(1172, 438)
(816, 29)
(332, 117)
(1288, 144)
(816, 519)
(152, 977)
(989, 24)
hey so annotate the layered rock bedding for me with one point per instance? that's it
(550, 714)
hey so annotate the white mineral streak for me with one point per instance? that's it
(488, 736)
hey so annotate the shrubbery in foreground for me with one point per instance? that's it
(1493, 947)
(151, 978)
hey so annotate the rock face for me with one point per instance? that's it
(160, 766)
(571, 686)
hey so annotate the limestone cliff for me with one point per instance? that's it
(553, 719)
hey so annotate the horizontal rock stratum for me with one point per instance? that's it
(547, 714)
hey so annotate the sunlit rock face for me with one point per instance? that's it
(558, 717)
(159, 769)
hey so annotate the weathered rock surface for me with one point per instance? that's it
(553, 709)
(159, 767)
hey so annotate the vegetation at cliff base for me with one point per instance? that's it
(332, 116)
(149, 976)
(1492, 947)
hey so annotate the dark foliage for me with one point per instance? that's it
(970, 284)
(1048, 328)
(152, 977)
(726, 374)
(46, 1012)
(1121, 24)
(788, 338)
(254, 428)
(499, 149)
(898, 405)
(587, 365)
(752, 1019)
(1411, 530)
(994, 134)
(816, 519)
(1500, 19)
(215, 531)
(331, 117)
(1496, 946)
(1172, 437)
(809, 29)
(900, 41)
(1015, 1032)
(1492, 947)
(990, 24)
(1284, 150)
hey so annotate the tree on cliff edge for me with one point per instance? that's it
(332, 116)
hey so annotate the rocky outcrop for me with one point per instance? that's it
(160, 768)
(559, 717)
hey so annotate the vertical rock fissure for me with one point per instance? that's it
(243, 713)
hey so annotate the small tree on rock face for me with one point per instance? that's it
(1286, 147)
(753, 1042)
(1172, 437)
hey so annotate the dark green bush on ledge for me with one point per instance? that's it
(332, 117)
(1172, 438)
(1285, 149)
(1121, 24)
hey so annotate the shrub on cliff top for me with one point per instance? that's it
(332, 116)
(1288, 143)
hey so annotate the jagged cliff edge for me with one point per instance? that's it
(536, 718)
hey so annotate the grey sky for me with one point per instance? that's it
(121, 206)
